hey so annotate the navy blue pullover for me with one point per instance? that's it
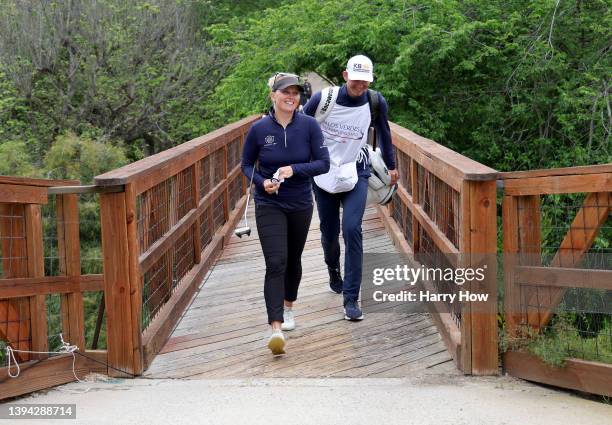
(299, 145)
(383, 132)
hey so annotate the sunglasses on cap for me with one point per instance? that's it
(283, 80)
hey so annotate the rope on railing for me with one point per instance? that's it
(65, 348)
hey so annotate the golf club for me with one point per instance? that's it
(246, 230)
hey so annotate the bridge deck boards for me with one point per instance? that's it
(223, 333)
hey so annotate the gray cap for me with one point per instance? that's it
(283, 80)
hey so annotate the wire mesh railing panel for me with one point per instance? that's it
(90, 239)
(217, 166)
(233, 154)
(54, 321)
(164, 205)
(166, 274)
(52, 253)
(90, 234)
(206, 227)
(441, 203)
(404, 164)
(205, 176)
(218, 213)
(581, 326)
(235, 191)
(157, 287)
(154, 209)
(182, 198)
(95, 320)
(434, 259)
(567, 231)
(403, 217)
(183, 257)
(13, 253)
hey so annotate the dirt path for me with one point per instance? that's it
(424, 400)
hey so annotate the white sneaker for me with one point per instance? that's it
(288, 320)
(276, 342)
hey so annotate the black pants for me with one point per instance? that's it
(282, 236)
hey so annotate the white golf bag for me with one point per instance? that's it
(380, 190)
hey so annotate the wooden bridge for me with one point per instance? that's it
(180, 296)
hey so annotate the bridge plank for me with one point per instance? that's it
(223, 333)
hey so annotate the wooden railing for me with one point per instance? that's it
(165, 219)
(26, 285)
(446, 204)
(542, 260)
(162, 233)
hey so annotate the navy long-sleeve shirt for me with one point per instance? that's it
(299, 145)
(381, 124)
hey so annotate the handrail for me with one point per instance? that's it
(565, 171)
(26, 181)
(435, 156)
(596, 178)
(153, 169)
(66, 190)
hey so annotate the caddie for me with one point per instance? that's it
(345, 117)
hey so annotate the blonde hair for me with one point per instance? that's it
(271, 81)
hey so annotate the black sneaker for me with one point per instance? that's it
(352, 311)
(335, 280)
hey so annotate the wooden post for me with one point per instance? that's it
(465, 246)
(36, 268)
(529, 245)
(136, 281)
(483, 248)
(512, 291)
(120, 309)
(67, 212)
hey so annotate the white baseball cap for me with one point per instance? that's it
(360, 68)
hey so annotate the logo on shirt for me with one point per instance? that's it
(328, 100)
(269, 140)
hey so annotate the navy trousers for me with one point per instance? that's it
(353, 205)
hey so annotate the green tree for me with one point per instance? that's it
(73, 157)
(15, 160)
(110, 69)
(516, 85)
